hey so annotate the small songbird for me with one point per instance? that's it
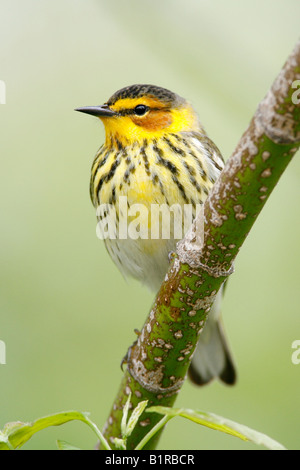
(156, 153)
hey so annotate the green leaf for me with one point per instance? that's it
(152, 432)
(63, 445)
(120, 443)
(219, 423)
(138, 410)
(124, 417)
(128, 426)
(4, 441)
(15, 435)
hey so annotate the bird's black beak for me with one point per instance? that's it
(99, 111)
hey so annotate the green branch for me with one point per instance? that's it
(159, 361)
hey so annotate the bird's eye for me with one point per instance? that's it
(140, 109)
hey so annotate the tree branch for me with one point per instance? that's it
(159, 361)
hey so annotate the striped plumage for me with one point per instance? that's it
(157, 152)
(164, 171)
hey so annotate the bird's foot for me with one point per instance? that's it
(126, 358)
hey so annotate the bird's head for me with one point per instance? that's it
(140, 112)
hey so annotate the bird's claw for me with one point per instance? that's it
(126, 358)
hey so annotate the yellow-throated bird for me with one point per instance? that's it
(156, 152)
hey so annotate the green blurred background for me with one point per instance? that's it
(67, 315)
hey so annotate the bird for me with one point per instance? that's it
(156, 153)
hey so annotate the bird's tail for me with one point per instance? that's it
(212, 358)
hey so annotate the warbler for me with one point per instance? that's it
(156, 152)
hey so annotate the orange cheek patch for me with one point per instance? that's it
(154, 121)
